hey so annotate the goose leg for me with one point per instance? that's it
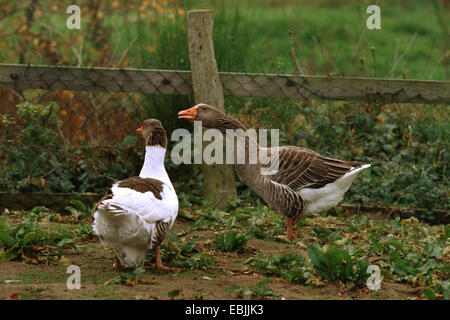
(117, 265)
(289, 226)
(158, 264)
(294, 223)
(295, 227)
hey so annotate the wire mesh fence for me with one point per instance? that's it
(69, 129)
(87, 97)
(63, 130)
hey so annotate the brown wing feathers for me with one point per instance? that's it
(143, 185)
(224, 123)
(107, 196)
(305, 168)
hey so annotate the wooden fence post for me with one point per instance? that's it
(218, 180)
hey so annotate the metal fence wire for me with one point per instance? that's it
(94, 105)
(87, 97)
(71, 129)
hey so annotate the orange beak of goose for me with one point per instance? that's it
(139, 129)
(189, 114)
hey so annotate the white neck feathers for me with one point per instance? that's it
(154, 164)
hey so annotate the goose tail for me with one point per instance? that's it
(358, 168)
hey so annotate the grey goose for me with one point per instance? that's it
(305, 182)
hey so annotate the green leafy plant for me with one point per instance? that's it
(79, 210)
(335, 264)
(441, 290)
(85, 230)
(413, 266)
(260, 290)
(172, 294)
(30, 240)
(127, 278)
(290, 266)
(185, 256)
(433, 249)
(325, 234)
(232, 240)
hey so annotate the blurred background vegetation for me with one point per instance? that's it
(59, 145)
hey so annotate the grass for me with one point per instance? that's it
(254, 36)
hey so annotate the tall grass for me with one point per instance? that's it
(169, 50)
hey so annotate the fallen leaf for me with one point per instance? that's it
(130, 282)
(148, 281)
(37, 248)
(65, 261)
(30, 260)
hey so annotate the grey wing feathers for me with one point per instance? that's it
(299, 168)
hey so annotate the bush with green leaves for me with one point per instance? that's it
(79, 210)
(324, 234)
(34, 153)
(290, 266)
(336, 264)
(412, 266)
(232, 240)
(85, 230)
(39, 159)
(442, 289)
(28, 238)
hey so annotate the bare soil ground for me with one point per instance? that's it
(49, 281)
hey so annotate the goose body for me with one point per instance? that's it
(320, 182)
(331, 194)
(137, 213)
(304, 183)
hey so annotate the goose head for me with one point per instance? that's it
(210, 117)
(153, 133)
(207, 114)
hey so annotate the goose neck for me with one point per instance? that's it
(154, 162)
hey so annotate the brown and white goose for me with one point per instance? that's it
(137, 213)
(305, 182)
